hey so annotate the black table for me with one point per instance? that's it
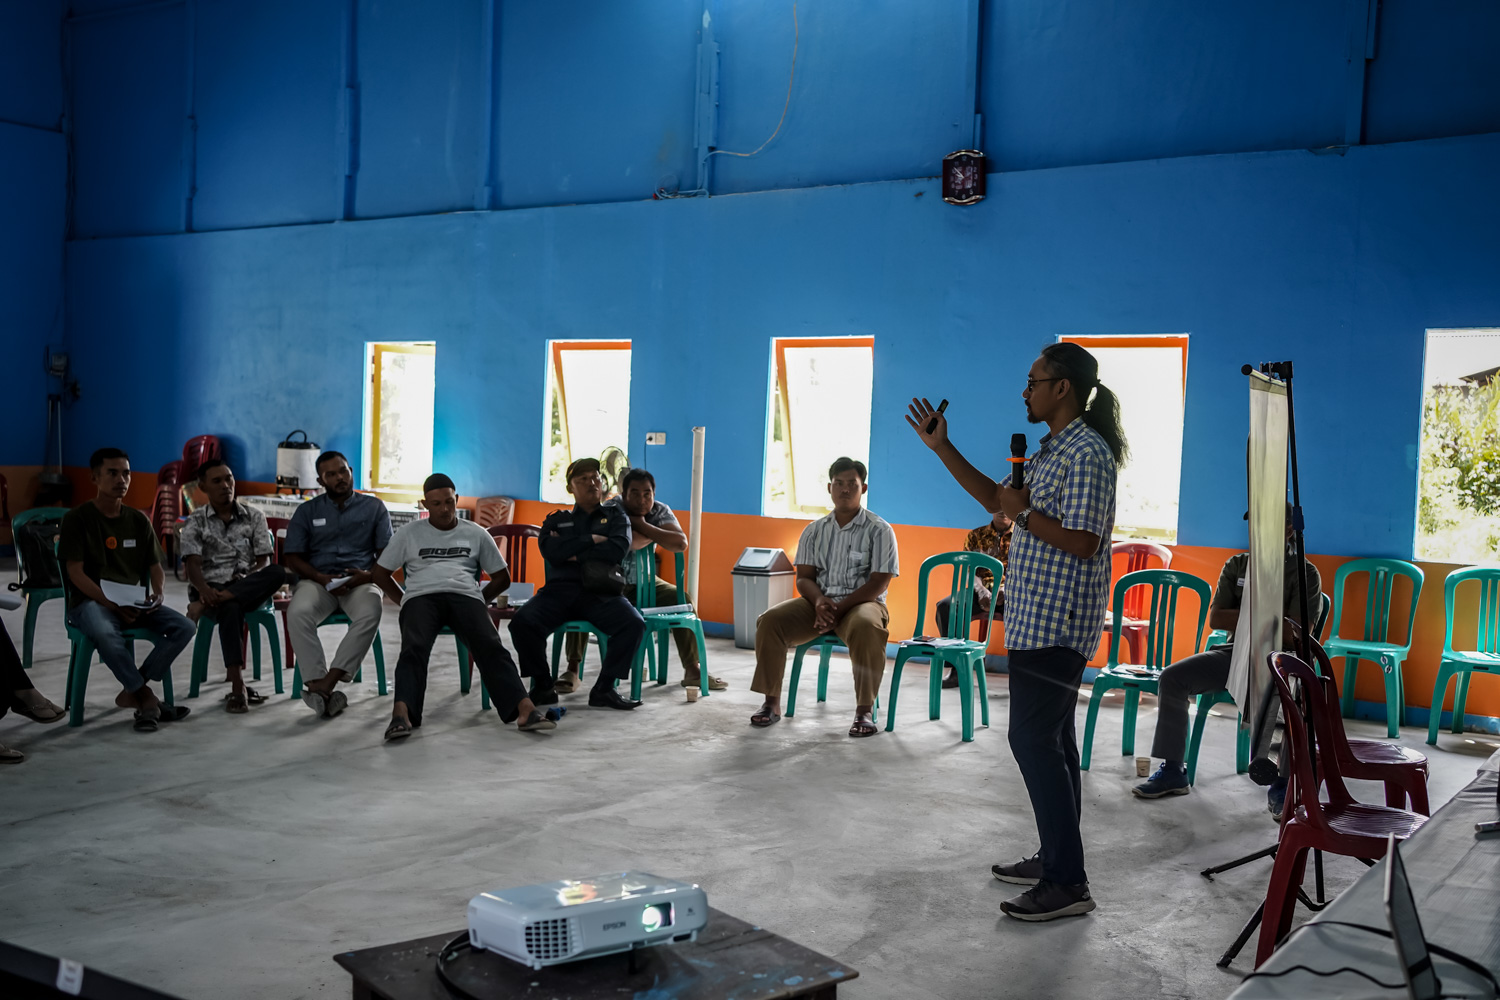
(1455, 880)
(731, 960)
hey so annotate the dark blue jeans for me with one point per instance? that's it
(566, 600)
(105, 630)
(1043, 702)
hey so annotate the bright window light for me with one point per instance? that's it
(1458, 485)
(1148, 374)
(398, 443)
(588, 411)
(820, 410)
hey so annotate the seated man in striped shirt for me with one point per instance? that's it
(845, 562)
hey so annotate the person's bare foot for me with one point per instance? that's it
(194, 611)
(769, 714)
(864, 723)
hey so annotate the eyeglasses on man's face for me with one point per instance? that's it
(1032, 383)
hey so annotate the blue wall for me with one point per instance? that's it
(1155, 177)
(33, 175)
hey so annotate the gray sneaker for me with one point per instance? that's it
(337, 702)
(1025, 872)
(1048, 901)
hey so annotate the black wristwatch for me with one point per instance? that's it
(1022, 518)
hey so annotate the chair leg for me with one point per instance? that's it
(935, 667)
(702, 659)
(1281, 896)
(557, 641)
(1088, 726)
(823, 656)
(1346, 697)
(28, 630)
(201, 644)
(1417, 789)
(78, 674)
(966, 703)
(984, 689)
(1460, 700)
(1132, 708)
(663, 643)
(166, 687)
(254, 651)
(641, 653)
(463, 658)
(791, 691)
(296, 691)
(1445, 672)
(1392, 677)
(890, 714)
(484, 695)
(379, 665)
(270, 626)
(1200, 720)
(288, 657)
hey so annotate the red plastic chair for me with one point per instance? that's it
(1403, 771)
(513, 540)
(1340, 825)
(166, 508)
(1138, 556)
(197, 451)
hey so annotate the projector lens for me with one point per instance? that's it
(655, 917)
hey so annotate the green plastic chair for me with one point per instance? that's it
(1206, 702)
(1458, 664)
(1165, 586)
(339, 618)
(659, 627)
(81, 656)
(261, 617)
(1372, 645)
(35, 597)
(967, 659)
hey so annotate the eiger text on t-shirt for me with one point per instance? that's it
(443, 561)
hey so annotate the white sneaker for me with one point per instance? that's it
(337, 702)
(315, 701)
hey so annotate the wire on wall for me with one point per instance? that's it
(791, 78)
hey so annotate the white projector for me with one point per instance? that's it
(557, 922)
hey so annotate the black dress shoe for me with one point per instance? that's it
(608, 697)
(545, 696)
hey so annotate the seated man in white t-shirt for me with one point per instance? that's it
(443, 557)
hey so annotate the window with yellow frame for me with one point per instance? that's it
(403, 378)
(588, 410)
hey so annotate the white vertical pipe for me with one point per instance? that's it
(695, 517)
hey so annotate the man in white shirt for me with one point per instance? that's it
(845, 562)
(443, 557)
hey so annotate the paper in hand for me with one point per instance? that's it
(337, 582)
(9, 601)
(126, 595)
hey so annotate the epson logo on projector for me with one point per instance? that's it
(614, 926)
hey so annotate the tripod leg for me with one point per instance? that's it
(1265, 852)
(1245, 932)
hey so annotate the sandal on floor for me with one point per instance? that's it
(9, 756)
(714, 683)
(254, 697)
(143, 723)
(173, 713)
(234, 704)
(536, 723)
(765, 717)
(863, 727)
(399, 729)
(56, 714)
(568, 682)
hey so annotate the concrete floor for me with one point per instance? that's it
(230, 857)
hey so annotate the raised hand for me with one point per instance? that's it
(921, 413)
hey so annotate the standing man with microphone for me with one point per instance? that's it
(1057, 592)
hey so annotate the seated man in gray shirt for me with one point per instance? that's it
(845, 562)
(442, 557)
(334, 536)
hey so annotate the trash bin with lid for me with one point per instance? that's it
(762, 577)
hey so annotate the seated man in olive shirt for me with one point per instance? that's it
(104, 540)
(1208, 672)
(583, 548)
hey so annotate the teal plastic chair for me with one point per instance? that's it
(339, 618)
(1458, 664)
(1166, 585)
(1206, 702)
(35, 597)
(262, 617)
(654, 644)
(1372, 645)
(81, 656)
(967, 659)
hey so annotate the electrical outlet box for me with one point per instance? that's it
(656, 437)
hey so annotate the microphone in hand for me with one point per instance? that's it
(1018, 461)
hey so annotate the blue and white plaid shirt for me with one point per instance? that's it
(1053, 598)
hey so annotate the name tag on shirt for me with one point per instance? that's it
(1242, 582)
(318, 522)
(564, 524)
(129, 543)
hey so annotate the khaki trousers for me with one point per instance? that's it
(310, 605)
(790, 623)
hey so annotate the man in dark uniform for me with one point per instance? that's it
(583, 548)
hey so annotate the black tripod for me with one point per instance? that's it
(1263, 771)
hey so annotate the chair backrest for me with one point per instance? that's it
(23, 544)
(511, 538)
(1320, 619)
(1487, 633)
(645, 575)
(1382, 579)
(1138, 556)
(197, 451)
(1306, 785)
(1163, 586)
(1324, 668)
(966, 567)
(278, 526)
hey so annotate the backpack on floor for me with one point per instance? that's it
(36, 541)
